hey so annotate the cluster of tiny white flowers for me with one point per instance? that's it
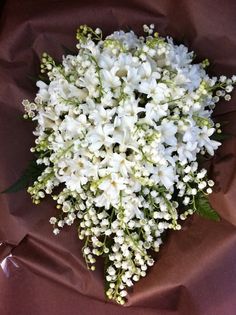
(121, 124)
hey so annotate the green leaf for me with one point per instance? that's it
(68, 51)
(221, 136)
(40, 77)
(204, 208)
(30, 174)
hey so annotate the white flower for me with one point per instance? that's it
(131, 80)
(145, 70)
(56, 231)
(178, 56)
(90, 81)
(73, 127)
(53, 220)
(101, 115)
(132, 207)
(168, 130)
(187, 152)
(157, 91)
(106, 61)
(113, 185)
(75, 172)
(46, 120)
(99, 136)
(129, 39)
(205, 141)
(119, 164)
(43, 91)
(164, 175)
(154, 112)
(110, 79)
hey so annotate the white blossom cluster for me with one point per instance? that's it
(120, 125)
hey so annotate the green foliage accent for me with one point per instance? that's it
(204, 208)
(221, 136)
(34, 79)
(68, 51)
(30, 174)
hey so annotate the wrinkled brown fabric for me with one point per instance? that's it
(40, 274)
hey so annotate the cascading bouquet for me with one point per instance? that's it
(120, 127)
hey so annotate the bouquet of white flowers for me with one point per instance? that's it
(120, 127)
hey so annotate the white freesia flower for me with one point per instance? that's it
(164, 175)
(73, 127)
(113, 185)
(100, 136)
(153, 89)
(155, 112)
(75, 172)
(101, 115)
(119, 164)
(168, 131)
(110, 78)
(205, 141)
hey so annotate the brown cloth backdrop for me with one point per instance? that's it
(40, 274)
